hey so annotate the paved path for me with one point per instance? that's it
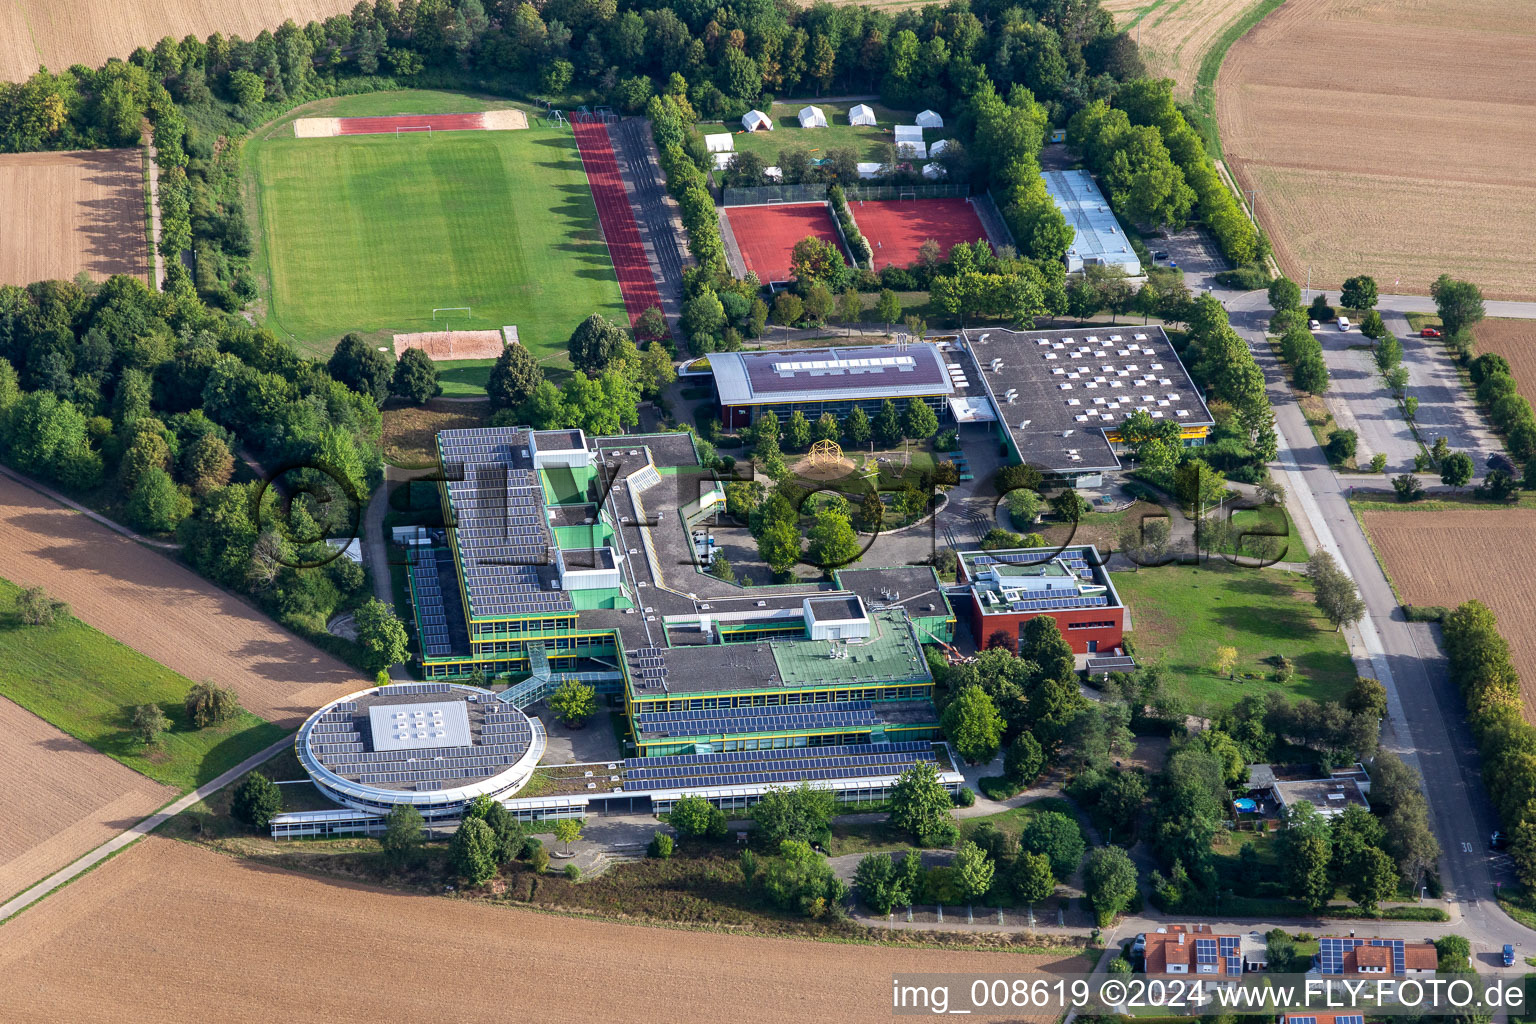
(154, 208)
(1446, 407)
(20, 902)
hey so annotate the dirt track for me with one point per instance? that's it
(164, 610)
(172, 930)
(61, 213)
(61, 798)
(1395, 138)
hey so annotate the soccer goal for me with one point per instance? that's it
(413, 128)
(447, 313)
(907, 195)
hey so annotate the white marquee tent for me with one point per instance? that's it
(933, 171)
(721, 143)
(862, 114)
(929, 119)
(908, 133)
(939, 147)
(756, 120)
(912, 150)
(812, 117)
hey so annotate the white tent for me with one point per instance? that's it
(929, 119)
(723, 160)
(862, 114)
(722, 143)
(774, 173)
(812, 117)
(869, 170)
(912, 150)
(939, 147)
(933, 171)
(756, 120)
(908, 133)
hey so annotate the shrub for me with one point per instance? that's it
(572, 872)
(965, 798)
(660, 847)
(1341, 445)
(539, 860)
(36, 608)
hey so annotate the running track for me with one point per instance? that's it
(618, 219)
(438, 123)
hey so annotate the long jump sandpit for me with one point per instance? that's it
(486, 121)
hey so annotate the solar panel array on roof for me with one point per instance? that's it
(502, 529)
(848, 715)
(1205, 955)
(769, 373)
(649, 665)
(1331, 952)
(431, 616)
(1301, 1020)
(1036, 603)
(1350, 1019)
(1231, 953)
(762, 767)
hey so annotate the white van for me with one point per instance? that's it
(1343, 323)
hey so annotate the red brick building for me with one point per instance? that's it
(1006, 589)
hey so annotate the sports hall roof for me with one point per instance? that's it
(830, 374)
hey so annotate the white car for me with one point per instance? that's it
(1343, 323)
(1314, 325)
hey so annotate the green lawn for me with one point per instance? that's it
(1267, 518)
(1182, 614)
(464, 376)
(839, 134)
(371, 233)
(87, 684)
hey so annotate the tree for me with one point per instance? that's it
(973, 725)
(1371, 877)
(920, 805)
(833, 544)
(514, 378)
(1320, 310)
(1358, 293)
(1304, 857)
(255, 801)
(797, 431)
(1367, 697)
(208, 464)
(361, 367)
(1460, 303)
(1033, 879)
(888, 308)
(381, 635)
(148, 723)
(1456, 469)
(974, 870)
(919, 423)
(1334, 592)
(567, 831)
(1225, 662)
(856, 427)
(695, 816)
(788, 309)
(651, 325)
(155, 505)
(415, 377)
(472, 852)
(879, 884)
(1284, 294)
(36, 608)
(819, 303)
(207, 704)
(888, 424)
(778, 545)
(1453, 954)
(871, 512)
(814, 261)
(1057, 837)
(1342, 445)
(1310, 374)
(800, 814)
(1109, 882)
(1024, 760)
(800, 879)
(573, 703)
(594, 344)
(1408, 487)
(402, 836)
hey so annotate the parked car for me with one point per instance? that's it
(1160, 254)
(1498, 841)
(1343, 323)
(1313, 325)
(1430, 332)
(1509, 955)
(1139, 947)
(1502, 463)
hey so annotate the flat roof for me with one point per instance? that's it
(830, 374)
(835, 609)
(558, 440)
(587, 558)
(914, 588)
(1100, 237)
(419, 726)
(1078, 564)
(1058, 392)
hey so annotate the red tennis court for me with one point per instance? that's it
(895, 228)
(767, 234)
(437, 122)
(625, 247)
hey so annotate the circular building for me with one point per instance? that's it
(436, 746)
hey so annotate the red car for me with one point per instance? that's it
(1430, 332)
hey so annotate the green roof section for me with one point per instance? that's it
(891, 653)
(566, 485)
(607, 598)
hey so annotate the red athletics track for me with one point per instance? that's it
(619, 228)
(767, 234)
(438, 123)
(895, 228)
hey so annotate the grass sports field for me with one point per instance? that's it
(370, 233)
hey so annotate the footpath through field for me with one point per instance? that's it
(625, 246)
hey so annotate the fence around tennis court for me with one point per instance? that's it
(768, 195)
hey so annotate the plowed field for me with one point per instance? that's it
(163, 610)
(61, 798)
(1395, 138)
(277, 946)
(1515, 340)
(63, 213)
(59, 33)
(1445, 558)
(1175, 35)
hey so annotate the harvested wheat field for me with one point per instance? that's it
(58, 33)
(63, 213)
(347, 953)
(61, 798)
(1445, 558)
(164, 610)
(1515, 340)
(1175, 35)
(1395, 138)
